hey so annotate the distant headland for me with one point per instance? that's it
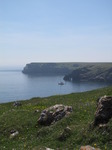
(72, 71)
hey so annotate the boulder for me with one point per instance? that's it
(16, 104)
(48, 148)
(88, 148)
(65, 134)
(104, 110)
(36, 111)
(53, 114)
(13, 134)
(42, 148)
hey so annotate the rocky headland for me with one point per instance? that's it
(99, 72)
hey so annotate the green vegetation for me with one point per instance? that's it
(32, 136)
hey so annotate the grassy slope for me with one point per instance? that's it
(24, 120)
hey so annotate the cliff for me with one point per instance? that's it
(98, 72)
(48, 68)
(72, 71)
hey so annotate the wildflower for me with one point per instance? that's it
(105, 147)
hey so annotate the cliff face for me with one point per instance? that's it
(90, 74)
(72, 71)
(46, 69)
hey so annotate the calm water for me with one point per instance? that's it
(17, 86)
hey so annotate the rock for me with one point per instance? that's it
(104, 110)
(16, 104)
(88, 148)
(36, 111)
(53, 114)
(103, 126)
(13, 134)
(48, 149)
(12, 131)
(42, 148)
(65, 134)
(67, 129)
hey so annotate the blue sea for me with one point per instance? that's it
(14, 85)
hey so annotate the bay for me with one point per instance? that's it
(14, 85)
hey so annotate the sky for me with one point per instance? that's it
(55, 31)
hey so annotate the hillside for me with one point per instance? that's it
(101, 72)
(72, 71)
(32, 136)
(48, 68)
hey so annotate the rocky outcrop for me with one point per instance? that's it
(88, 148)
(72, 71)
(43, 148)
(16, 104)
(48, 148)
(47, 68)
(65, 134)
(77, 75)
(98, 74)
(13, 134)
(104, 110)
(53, 114)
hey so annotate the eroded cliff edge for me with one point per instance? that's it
(48, 68)
(72, 71)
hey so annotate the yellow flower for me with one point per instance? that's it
(105, 147)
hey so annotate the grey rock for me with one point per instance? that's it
(53, 114)
(104, 110)
(13, 134)
(36, 111)
(16, 104)
(48, 148)
(88, 147)
(65, 134)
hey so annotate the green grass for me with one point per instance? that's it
(32, 136)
